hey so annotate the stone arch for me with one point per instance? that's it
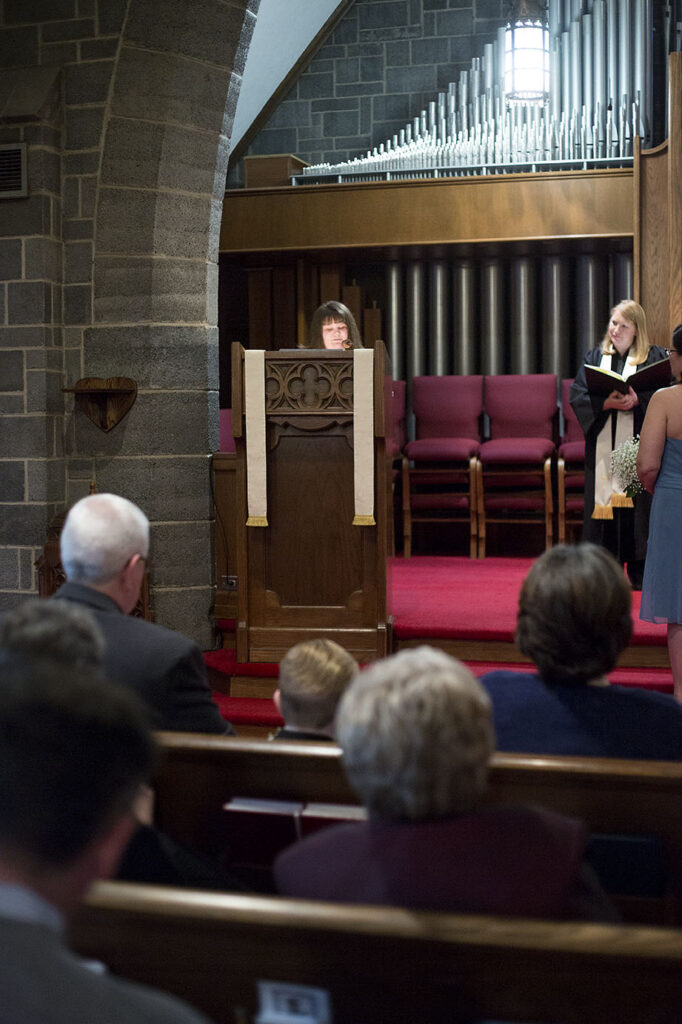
(165, 141)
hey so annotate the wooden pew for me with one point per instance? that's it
(200, 773)
(381, 964)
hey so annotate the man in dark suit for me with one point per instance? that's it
(104, 547)
(73, 756)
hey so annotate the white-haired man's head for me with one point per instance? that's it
(103, 536)
(416, 733)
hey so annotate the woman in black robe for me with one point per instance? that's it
(610, 519)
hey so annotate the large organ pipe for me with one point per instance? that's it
(394, 317)
(415, 335)
(522, 308)
(464, 317)
(492, 317)
(439, 308)
(555, 317)
(592, 301)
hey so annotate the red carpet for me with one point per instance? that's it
(471, 599)
(441, 598)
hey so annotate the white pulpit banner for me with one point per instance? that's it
(254, 414)
(363, 436)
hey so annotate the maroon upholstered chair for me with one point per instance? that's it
(515, 465)
(439, 466)
(570, 468)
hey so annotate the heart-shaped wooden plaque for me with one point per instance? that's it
(105, 402)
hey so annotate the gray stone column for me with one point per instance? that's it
(149, 91)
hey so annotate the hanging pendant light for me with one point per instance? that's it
(526, 53)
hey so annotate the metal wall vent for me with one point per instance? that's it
(13, 175)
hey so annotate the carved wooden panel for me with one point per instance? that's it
(309, 386)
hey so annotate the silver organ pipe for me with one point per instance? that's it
(394, 317)
(439, 328)
(601, 96)
(522, 310)
(415, 316)
(464, 314)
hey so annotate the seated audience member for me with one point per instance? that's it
(574, 621)
(63, 634)
(416, 734)
(62, 637)
(73, 754)
(104, 547)
(312, 678)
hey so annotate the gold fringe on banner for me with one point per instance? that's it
(364, 521)
(602, 512)
(621, 501)
(257, 521)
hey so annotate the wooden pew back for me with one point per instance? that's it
(381, 964)
(199, 773)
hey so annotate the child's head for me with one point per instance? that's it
(312, 678)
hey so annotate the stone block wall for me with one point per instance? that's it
(109, 268)
(383, 64)
(32, 466)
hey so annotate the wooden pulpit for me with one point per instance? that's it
(310, 565)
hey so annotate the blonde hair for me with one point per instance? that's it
(416, 733)
(633, 312)
(312, 678)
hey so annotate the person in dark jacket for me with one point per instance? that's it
(104, 547)
(574, 621)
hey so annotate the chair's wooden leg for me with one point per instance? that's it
(407, 511)
(549, 505)
(561, 499)
(480, 505)
(473, 509)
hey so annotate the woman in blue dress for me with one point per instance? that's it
(659, 465)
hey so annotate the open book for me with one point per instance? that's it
(649, 378)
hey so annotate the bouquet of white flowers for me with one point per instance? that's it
(624, 466)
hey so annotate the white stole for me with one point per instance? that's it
(606, 495)
(363, 436)
(254, 415)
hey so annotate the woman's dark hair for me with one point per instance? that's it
(677, 339)
(333, 310)
(574, 613)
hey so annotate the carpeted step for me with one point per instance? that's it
(248, 710)
(261, 711)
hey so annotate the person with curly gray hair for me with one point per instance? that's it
(573, 623)
(416, 734)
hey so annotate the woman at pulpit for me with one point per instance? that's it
(333, 326)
